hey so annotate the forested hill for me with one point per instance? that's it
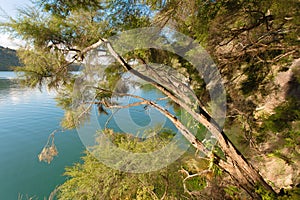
(8, 59)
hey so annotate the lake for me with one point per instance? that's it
(27, 117)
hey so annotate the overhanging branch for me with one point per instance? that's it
(182, 128)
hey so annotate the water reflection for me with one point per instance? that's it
(9, 88)
(27, 117)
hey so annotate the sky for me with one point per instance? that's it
(10, 7)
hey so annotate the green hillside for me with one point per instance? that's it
(8, 58)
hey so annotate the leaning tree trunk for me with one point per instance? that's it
(235, 164)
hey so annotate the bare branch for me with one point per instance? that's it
(185, 132)
(166, 187)
(110, 117)
(236, 164)
(87, 109)
(168, 80)
(93, 46)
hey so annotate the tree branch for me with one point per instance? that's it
(235, 163)
(185, 132)
(239, 166)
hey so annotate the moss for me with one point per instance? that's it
(196, 183)
(290, 194)
(265, 195)
(284, 114)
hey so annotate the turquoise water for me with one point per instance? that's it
(27, 117)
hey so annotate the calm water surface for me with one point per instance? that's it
(27, 117)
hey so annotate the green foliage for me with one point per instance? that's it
(289, 194)
(65, 96)
(232, 191)
(113, 74)
(237, 136)
(55, 28)
(281, 130)
(284, 115)
(196, 183)
(42, 68)
(64, 8)
(246, 38)
(94, 180)
(254, 80)
(292, 137)
(265, 195)
(148, 87)
(195, 165)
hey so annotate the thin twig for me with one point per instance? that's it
(110, 117)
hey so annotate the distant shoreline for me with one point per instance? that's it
(4, 70)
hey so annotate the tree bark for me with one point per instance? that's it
(235, 164)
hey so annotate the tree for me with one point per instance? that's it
(58, 29)
(115, 184)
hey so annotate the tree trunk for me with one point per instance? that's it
(235, 164)
(243, 172)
